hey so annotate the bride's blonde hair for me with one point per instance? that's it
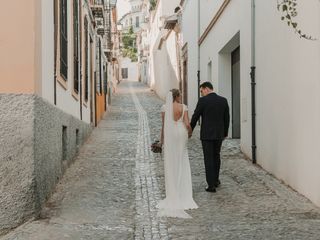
(175, 93)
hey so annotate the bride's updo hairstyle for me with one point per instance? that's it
(175, 93)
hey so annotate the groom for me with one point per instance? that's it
(214, 112)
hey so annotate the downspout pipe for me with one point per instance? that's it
(55, 52)
(253, 80)
(198, 72)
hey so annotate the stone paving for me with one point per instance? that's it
(111, 190)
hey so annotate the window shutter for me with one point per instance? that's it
(63, 39)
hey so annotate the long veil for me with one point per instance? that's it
(168, 123)
(171, 205)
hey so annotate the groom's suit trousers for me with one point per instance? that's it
(212, 162)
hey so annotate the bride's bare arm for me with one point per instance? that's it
(187, 123)
(162, 128)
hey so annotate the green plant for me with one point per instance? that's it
(129, 45)
(288, 8)
(153, 4)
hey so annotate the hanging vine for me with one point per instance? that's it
(288, 8)
(153, 4)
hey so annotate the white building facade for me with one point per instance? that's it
(164, 58)
(243, 47)
(143, 43)
(136, 20)
(234, 37)
(129, 69)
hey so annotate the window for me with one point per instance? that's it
(86, 55)
(209, 77)
(99, 72)
(77, 139)
(63, 39)
(137, 21)
(100, 65)
(105, 82)
(124, 73)
(64, 143)
(76, 46)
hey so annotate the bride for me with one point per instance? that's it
(174, 136)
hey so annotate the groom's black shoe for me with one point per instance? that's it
(211, 189)
(217, 184)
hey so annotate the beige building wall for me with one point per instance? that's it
(17, 46)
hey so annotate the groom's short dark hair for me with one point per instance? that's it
(206, 85)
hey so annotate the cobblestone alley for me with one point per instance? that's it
(111, 189)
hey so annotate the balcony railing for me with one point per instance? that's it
(100, 26)
(97, 10)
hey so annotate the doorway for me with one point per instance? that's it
(235, 85)
(184, 86)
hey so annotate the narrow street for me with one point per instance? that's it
(112, 188)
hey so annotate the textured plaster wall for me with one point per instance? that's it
(17, 182)
(31, 154)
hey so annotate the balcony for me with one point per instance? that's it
(100, 31)
(99, 22)
(170, 22)
(97, 10)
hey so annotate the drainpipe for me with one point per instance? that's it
(198, 72)
(55, 52)
(253, 80)
(80, 57)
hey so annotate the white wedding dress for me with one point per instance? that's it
(178, 182)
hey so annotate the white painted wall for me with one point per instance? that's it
(65, 101)
(154, 36)
(288, 86)
(143, 72)
(47, 51)
(133, 71)
(168, 7)
(163, 62)
(126, 21)
(130, 18)
(190, 21)
(208, 9)
(215, 49)
(288, 112)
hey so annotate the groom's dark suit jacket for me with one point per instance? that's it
(215, 118)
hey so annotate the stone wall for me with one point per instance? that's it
(37, 143)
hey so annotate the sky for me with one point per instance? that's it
(123, 7)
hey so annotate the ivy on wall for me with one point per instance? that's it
(153, 4)
(288, 8)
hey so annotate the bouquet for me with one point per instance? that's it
(156, 147)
